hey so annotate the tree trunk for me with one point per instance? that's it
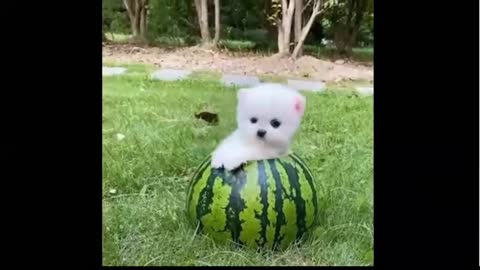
(359, 13)
(340, 37)
(202, 15)
(346, 34)
(217, 22)
(282, 49)
(130, 5)
(284, 27)
(298, 24)
(142, 21)
(317, 10)
(198, 7)
(287, 23)
(204, 22)
(347, 46)
(137, 13)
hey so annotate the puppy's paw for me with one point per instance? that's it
(217, 161)
(233, 162)
(227, 161)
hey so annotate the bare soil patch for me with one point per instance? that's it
(198, 59)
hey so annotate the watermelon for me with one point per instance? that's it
(263, 204)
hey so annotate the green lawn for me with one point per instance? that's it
(145, 174)
(358, 54)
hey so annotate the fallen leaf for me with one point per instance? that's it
(209, 117)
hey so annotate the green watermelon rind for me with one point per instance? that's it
(273, 211)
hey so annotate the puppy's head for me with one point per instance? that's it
(270, 113)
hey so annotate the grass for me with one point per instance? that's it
(364, 55)
(237, 45)
(145, 175)
(272, 78)
(347, 85)
(118, 37)
(134, 70)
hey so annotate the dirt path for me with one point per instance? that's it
(197, 59)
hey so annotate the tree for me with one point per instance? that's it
(217, 22)
(172, 18)
(137, 13)
(298, 23)
(284, 22)
(319, 6)
(348, 26)
(202, 14)
(114, 17)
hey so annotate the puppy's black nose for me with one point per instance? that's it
(261, 133)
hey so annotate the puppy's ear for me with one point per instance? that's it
(299, 104)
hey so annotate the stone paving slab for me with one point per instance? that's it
(234, 80)
(306, 85)
(111, 71)
(170, 74)
(365, 91)
(240, 80)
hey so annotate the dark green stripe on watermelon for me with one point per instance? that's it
(236, 204)
(296, 195)
(206, 196)
(196, 177)
(262, 181)
(278, 205)
(308, 175)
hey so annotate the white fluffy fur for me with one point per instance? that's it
(264, 102)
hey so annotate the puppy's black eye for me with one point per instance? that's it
(253, 120)
(275, 123)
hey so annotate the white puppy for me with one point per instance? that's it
(268, 116)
